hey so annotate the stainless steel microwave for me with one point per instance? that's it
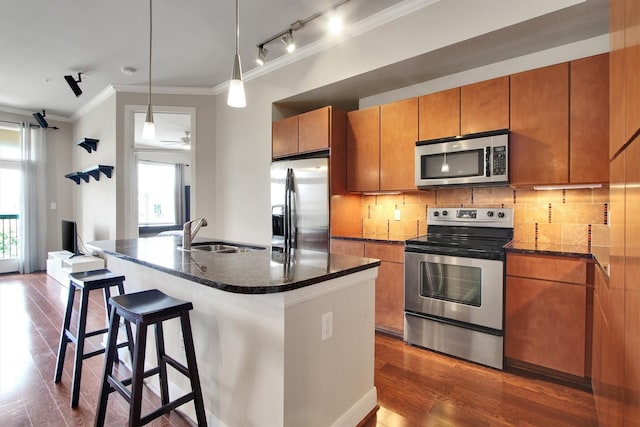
(480, 159)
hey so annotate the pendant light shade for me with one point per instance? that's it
(236, 96)
(149, 129)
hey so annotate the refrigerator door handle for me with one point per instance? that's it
(289, 211)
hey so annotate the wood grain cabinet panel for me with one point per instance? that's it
(617, 55)
(284, 137)
(589, 120)
(363, 150)
(545, 324)
(314, 130)
(559, 269)
(398, 136)
(439, 114)
(631, 67)
(347, 247)
(484, 106)
(389, 286)
(539, 139)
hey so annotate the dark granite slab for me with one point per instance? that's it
(253, 272)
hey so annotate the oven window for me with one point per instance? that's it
(461, 164)
(450, 282)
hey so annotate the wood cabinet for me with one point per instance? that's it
(284, 137)
(398, 136)
(381, 147)
(303, 133)
(484, 106)
(539, 139)
(589, 120)
(363, 150)
(389, 283)
(548, 314)
(439, 114)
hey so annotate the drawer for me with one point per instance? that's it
(554, 268)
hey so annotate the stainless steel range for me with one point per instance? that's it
(454, 283)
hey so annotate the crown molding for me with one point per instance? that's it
(164, 90)
(354, 30)
(93, 103)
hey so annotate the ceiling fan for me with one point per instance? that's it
(182, 141)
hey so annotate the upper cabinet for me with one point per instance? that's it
(363, 150)
(439, 114)
(381, 144)
(539, 139)
(284, 137)
(589, 120)
(484, 106)
(304, 133)
(398, 136)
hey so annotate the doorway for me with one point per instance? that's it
(161, 172)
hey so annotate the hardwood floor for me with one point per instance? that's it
(415, 387)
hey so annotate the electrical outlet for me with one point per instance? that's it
(327, 325)
(396, 215)
(53, 206)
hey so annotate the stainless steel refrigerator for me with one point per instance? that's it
(300, 204)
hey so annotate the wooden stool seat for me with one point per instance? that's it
(150, 307)
(86, 282)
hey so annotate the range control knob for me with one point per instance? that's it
(490, 214)
(500, 214)
(436, 213)
(445, 213)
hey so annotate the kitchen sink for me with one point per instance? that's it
(221, 248)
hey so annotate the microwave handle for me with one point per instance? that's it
(487, 162)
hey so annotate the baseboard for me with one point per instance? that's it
(360, 411)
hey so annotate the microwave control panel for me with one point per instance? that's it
(500, 160)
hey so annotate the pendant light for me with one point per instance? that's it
(445, 166)
(236, 96)
(149, 129)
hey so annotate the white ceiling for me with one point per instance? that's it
(193, 45)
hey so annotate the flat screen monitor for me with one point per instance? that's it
(70, 237)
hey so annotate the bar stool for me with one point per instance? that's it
(86, 282)
(150, 307)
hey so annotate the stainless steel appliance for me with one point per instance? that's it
(454, 283)
(300, 204)
(474, 159)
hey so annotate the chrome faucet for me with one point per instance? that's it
(188, 235)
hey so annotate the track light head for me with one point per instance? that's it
(40, 118)
(262, 55)
(289, 42)
(73, 84)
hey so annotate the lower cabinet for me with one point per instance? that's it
(390, 281)
(548, 315)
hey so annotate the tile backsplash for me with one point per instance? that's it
(567, 217)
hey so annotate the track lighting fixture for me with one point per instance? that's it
(236, 96)
(262, 55)
(286, 36)
(149, 128)
(40, 118)
(289, 42)
(73, 84)
(42, 122)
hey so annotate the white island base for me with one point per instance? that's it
(262, 358)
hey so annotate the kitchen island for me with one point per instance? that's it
(281, 339)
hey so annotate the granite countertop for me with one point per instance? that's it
(599, 254)
(253, 272)
(393, 239)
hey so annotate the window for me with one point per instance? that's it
(9, 191)
(156, 194)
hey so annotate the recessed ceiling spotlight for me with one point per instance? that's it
(128, 71)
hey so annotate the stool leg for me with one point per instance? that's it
(162, 364)
(111, 354)
(135, 407)
(127, 325)
(193, 369)
(79, 357)
(62, 349)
